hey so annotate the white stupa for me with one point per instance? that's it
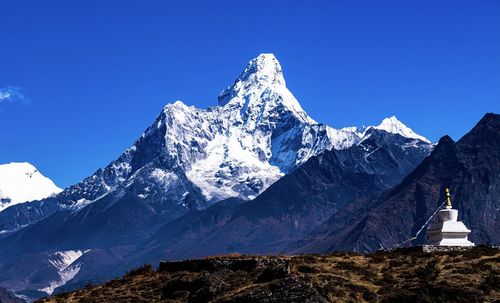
(448, 231)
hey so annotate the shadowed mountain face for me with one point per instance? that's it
(7, 297)
(293, 206)
(469, 167)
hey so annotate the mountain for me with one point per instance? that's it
(22, 182)
(191, 160)
(469, 167)
(394, 126)
(294, 205)
(288, 210)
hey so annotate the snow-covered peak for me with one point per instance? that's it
(260, 91)
(21, 182)
(196, 157)
(263, 69)
(394, 126)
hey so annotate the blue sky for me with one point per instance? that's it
(94, 75)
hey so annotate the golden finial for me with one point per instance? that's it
(448, 198)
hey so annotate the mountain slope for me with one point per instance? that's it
(469, 167)
(22, 182)
(295, 204)
(285, 212)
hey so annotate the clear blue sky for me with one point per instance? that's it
(94, 74)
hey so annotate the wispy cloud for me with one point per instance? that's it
(12, 94)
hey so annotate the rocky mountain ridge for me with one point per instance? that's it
(470, 167)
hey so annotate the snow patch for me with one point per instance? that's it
(67, 267)
(164, 177)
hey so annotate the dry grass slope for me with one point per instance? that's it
(398, 276)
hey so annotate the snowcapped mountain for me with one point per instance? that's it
(394, 126)
(256, 134)
(190, 158)
(22, 182)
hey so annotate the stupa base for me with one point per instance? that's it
(439, 248)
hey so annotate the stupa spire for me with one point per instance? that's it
(448, 198)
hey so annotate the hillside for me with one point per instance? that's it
(399, 276)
